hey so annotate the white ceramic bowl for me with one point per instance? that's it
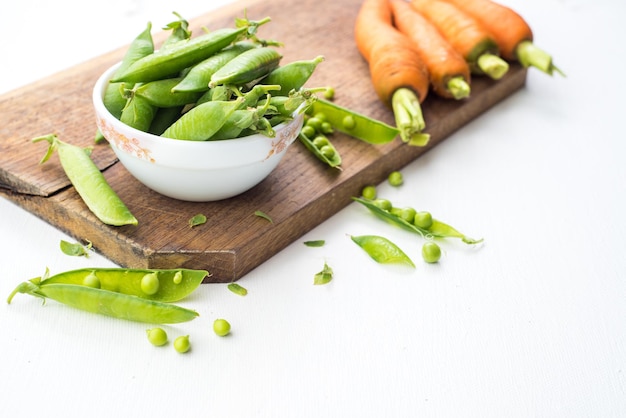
(199, 171)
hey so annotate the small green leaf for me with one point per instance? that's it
(324, 276)
(263, 215)
(198, 219)
(315, 243)
(382, 250)
(237, 289)
(75, 249)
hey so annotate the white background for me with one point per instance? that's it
(530, 324)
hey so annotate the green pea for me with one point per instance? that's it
(248, 66)
(315, 123)
(181, 55)
(407, 214)
(326, 128)
(221, 327)
(128, 281)
(106, 302)
(369, 192)
(383, 204)
(181, 344)
(423, 220)
(395, 178)
(308, 131)
(321, 117)
(328, 151)
(348, 123)
(320, 141)
(92, 280)
(294, 75)
(157, 336)
(329, 93)
(431, 252)
(89, 182)
(150, 283)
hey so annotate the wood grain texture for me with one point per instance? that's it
(300, 194)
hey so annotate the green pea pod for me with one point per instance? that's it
(199, 76)
(174, 284)
(159, 93)
(294, 75)
(240, 120)
(203, 121)
(105, 302)
(247, 66)
(140, 47)
(138, 113)
(333, 160)
(437, 229)
(184, 54)
(355, 124)
(382, 250)
(179, 32)
(89, 182)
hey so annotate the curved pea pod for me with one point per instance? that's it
(174, 284)
(245, 120)
(247, 66)
(294, 75)
(140, 47)
(382, 250)
(355, 124)
(89, 182)
(166, 62)
(105, 302)
(202, 121)
(138, 113)
(437, 229)
(199, 76)
(159, 93)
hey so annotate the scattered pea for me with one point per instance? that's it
(150, 283)
(221, 327)
(329, 93)
(92, 280)
(395, 178)
(431, 252)
(369, 192)
(157, 336)
(181, 344)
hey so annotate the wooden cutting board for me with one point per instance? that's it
(299, 195)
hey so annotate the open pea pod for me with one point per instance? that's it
(438, 229)
(171, 285)
(355, 124)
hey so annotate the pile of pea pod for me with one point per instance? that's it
(132, 294)
(222, 84)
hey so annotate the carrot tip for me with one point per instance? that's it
(408, 115)
(529, 54)
(458, 87)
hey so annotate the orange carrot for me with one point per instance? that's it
(449, 72)
(510, 31)
(397, 72)
(466, 35)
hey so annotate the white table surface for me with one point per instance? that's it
(530, 324)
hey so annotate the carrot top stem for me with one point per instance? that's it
(529, 54)
(458, 87)
(492, 65)
(409, 118)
